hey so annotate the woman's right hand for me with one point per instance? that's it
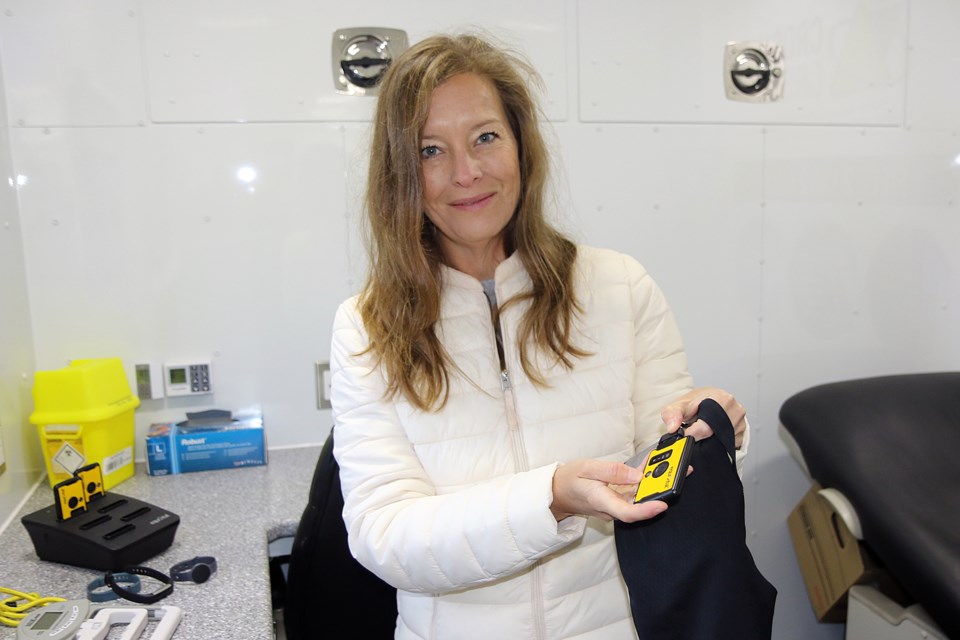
(601, 489)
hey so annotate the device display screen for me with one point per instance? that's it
(178, 376)
(46, 620)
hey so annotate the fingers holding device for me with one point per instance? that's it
(665, 468)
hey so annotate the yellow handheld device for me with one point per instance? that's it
(91, 479)
(69, 498)
(666, 468)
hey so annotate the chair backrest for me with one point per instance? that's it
(324, 581)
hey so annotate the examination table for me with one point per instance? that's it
(889, 445)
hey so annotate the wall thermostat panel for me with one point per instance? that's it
(189, 379)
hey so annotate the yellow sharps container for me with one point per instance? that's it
(84, 413)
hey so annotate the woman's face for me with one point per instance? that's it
(471, 172)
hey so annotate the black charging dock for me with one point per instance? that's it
(115, 532)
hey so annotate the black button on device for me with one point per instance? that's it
(661, 469)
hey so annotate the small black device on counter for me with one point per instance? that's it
(113, 531)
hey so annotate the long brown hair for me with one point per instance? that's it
(400, 302)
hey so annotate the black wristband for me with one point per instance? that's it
(99, 591)
(111, 580)
(198, 569)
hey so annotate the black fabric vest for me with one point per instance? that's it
(688, 571)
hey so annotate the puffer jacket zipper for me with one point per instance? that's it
(516, 437)
(520, 461)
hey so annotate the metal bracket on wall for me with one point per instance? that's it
(361, 55)
(753, 71)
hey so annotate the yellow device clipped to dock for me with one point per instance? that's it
(73, 495)
(92, 481)
(69, 498)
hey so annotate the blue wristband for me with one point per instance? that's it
(99, 591)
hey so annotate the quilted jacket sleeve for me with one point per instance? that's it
(398, 526)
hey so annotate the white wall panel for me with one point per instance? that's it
(646, 61)
(357, 143)
(256, 61)
(933, 94)
(18, 440)
(686, 202)
(72, 63)
(142, 243)
(862, 266)
(860, 256)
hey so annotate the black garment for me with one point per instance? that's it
(689, 572)
(324, 579)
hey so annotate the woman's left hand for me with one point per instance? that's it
(685, 408)
(602, 489)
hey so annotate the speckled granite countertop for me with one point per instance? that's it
(231, 514)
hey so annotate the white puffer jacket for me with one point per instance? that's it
(453, 507)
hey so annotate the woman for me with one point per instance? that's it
(492, 376)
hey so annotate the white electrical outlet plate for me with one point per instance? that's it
(323, 385)
(188, 379)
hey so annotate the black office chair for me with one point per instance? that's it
(324, 582)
